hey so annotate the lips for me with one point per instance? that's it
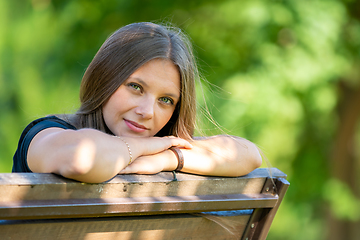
(134, 126)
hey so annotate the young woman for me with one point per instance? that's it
(137, 115)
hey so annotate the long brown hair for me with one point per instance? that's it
(124, 52)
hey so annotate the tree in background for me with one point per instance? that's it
(287, 74)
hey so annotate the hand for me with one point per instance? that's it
(152, 164)
(154, 145)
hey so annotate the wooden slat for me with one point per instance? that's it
(30, 186)
(133, 206)
(145, 200)
(175, 227)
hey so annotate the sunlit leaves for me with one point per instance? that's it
(277, 64)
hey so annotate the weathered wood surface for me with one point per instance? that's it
(37, 186)
(133, 206)
(32, 196)
(179, 226)
(116, 209)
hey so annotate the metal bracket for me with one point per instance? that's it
(261, 219)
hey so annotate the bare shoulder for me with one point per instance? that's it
(222, 136)
(43, 134)
(42, 145)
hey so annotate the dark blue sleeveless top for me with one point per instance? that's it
(20, 156)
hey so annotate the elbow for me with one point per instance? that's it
(87, 167)
(250, 162)
(82, 160)
(83, 173)
(257, 159)
(76, 169)
(84, 157)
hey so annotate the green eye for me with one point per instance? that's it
(166, 100)
(135, 86)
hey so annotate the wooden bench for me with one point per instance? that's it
(47, 206)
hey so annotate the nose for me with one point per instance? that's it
(145, 108)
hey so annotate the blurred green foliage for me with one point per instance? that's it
(277, 65)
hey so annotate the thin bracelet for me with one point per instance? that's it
(179, 157)
(128, 147)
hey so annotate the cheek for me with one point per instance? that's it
(107, 115)
(166, 119)
(109, 109)
(163, 119)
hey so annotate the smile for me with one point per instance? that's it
(135, 126)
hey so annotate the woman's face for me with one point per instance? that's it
(145, 102)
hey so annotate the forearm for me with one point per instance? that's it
(96, 160)
(213, 156)
(85, 155)
(221, 156)
(89, 155)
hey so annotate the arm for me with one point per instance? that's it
(89, 155)
(218, 156)
(222, 156)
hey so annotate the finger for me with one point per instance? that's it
(138, 170)
(125, 171)
(131, 168)
(136, 167)
(179, 142)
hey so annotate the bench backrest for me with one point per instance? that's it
(36, 206)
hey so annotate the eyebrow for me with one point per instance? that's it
(146, 85)
(140, 81)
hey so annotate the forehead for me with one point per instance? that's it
(159, 73)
